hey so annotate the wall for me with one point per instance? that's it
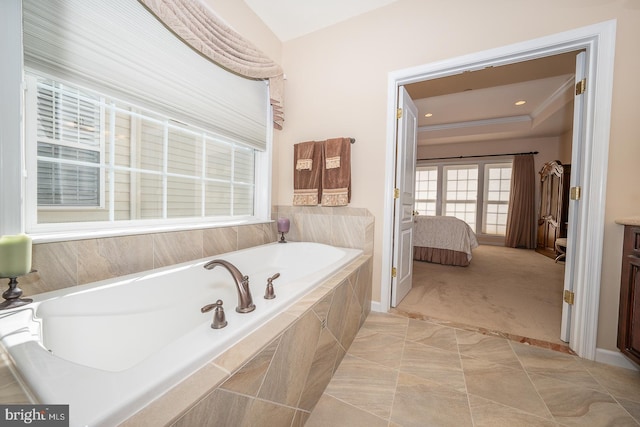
(337, 81)
(547, 148)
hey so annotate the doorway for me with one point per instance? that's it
(585, 254)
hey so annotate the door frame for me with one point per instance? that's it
(598, 41)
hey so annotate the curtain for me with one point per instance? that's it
(198, 27)
(521, 218)
(118, 49)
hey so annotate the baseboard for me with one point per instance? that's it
(376, 306)
(614, 358)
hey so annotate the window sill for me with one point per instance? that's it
(62, 236)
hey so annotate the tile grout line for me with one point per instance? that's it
(553, 418)
(464, 377)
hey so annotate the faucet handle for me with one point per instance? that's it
(219, 319)
(270, 293)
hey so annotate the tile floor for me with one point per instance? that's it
(402, 372)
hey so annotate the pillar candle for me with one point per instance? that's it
(283, 225)
(15, 255)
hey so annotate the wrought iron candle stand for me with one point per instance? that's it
(12, 295)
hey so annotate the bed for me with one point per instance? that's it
(443, 240)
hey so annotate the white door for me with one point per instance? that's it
(573, 237)
(406, 140)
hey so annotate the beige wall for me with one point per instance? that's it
(548, 149)
(337, 86)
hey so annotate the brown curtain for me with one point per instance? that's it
(199, 28)
(521, 218)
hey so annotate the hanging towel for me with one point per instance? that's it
(307, 173)
(336, 175)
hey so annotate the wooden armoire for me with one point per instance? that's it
(554, 206)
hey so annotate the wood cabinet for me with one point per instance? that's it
(629, 312)
(554, 206)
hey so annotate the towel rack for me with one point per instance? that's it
(353, 140)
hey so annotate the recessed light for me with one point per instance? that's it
(521, 102)
(428, 115)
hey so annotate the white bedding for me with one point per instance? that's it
(444, 232)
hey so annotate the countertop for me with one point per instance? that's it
(631, 220)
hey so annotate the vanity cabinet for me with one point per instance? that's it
(629, 312)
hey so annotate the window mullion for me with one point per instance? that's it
(165, 168)
(203, 176)
(232, 179)
(112, 162)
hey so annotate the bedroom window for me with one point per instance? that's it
(496, 198)
(461, 193)
(426, 190)
(477, 193)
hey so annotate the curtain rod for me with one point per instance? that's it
(486, 155)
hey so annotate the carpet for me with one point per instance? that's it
(515, 291)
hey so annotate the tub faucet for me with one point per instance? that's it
(245, 301)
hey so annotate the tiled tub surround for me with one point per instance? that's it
(279, 372)
(128, 351)
(69, 263)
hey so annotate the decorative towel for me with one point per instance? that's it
(336, 175)
(307, 173)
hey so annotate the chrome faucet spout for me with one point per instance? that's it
(245, 301)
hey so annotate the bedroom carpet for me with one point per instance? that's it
(505, 290)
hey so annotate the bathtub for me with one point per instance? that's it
(109, 348)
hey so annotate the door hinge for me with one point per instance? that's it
(569, 296)
(575, 193)
(399, 113)
(396, 193)
(581, 86)
(394, 272)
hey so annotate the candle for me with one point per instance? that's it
(283, 225)
(15, 255)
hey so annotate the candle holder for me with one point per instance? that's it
(12, 295)
(283, 227)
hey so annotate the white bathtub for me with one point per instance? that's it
(109, 348)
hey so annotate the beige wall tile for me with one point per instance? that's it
(57, 265)
(218, 409)
(100, 259)
(220, 240)
(253, 235)
(176, 247)
(321, 370)
(248, 378)
(290, 366)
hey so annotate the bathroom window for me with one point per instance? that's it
(135, 132)
(69, 147)
(102, 161)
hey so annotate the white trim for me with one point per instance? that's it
(375, 306)
(476, 123)
(614, 358)
(11, 154)
(599, 41)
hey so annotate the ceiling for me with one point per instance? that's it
(471, 106)
(289, 19)
(480, 105)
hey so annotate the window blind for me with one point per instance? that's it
(119, 48)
